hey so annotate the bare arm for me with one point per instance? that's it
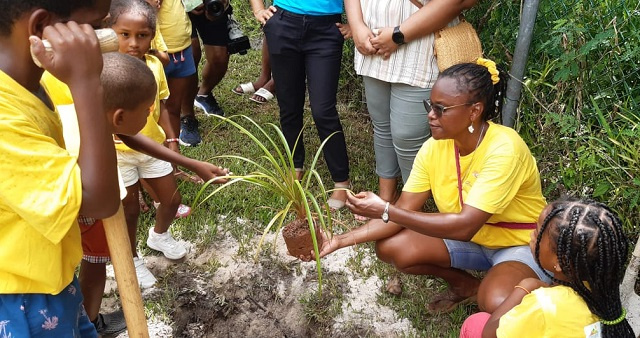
(205, 170)
(375, 229)
(97, 158)
(431, 17)
(459, 226)
(361, 33)
(514, 299)
(165, 123)
(261, 13)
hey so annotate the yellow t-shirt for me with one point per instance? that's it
(548, 312)
(500, 178)
(175, 25)
(40, 196)
(152, 129)
(158, 41)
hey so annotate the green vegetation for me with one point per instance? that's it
(578, 114)
(275, 172)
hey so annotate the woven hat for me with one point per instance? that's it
(457, 44)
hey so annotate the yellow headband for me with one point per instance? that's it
(491, 67)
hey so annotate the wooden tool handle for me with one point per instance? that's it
(115, 228)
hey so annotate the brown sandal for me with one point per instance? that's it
(447, 301)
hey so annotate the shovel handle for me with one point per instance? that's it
(115, 228)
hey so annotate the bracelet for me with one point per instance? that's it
(521, 287)
(169, 140)
(617, 320)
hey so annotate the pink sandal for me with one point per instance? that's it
(182, 212)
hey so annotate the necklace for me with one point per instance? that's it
(457, 151)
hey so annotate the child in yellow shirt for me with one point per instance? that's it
(583, 244)
(135, 23)
(42, 188)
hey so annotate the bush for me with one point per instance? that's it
(580, 95)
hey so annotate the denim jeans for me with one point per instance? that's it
(400, 125)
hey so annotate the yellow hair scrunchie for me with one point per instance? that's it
(491, 67)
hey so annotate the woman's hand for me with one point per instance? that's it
(383, 42)
(345, 30)
(366, 204)
(329, 245)
(362, 36)
(262, 15)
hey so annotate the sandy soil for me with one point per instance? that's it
(262, 298)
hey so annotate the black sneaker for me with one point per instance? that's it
(189, 136)
(208, 104)
(110, 324)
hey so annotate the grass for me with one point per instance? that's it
(242, 210)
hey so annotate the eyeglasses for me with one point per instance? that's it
(440, 109)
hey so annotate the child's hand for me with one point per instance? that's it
(75, 58)
(208, 171)
(345, 30)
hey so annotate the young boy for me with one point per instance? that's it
(127, 115)
(129, 90)
(42, 188)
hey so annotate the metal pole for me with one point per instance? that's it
(520, 56)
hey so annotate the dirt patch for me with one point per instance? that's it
(216, 293)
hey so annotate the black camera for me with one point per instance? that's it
(214, 9)
(238, 42)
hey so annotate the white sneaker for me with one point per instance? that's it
(145, 277)
(166, 244)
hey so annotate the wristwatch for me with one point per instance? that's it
(397, 36)
(385, 213)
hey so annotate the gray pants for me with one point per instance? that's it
(400, 125)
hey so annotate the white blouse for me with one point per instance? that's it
(413, 63)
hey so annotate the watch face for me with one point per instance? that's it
(397, 36)
(385, 217)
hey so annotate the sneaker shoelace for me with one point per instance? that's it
(168, 240)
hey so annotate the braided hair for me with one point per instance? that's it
(476, 80)
(592, 251)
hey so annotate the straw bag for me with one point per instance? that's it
(457, 44)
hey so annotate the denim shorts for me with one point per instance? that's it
(42, 315)
(471, 256)
(181, 64)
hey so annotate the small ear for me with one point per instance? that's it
(38, 20)
(476, 111)
(118, 118)
(556, 266)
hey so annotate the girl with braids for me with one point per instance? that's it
(582, 242)
(485, 184)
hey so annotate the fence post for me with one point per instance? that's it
(520, 56)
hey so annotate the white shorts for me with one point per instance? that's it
(134, 166)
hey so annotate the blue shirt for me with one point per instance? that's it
(311, 7)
